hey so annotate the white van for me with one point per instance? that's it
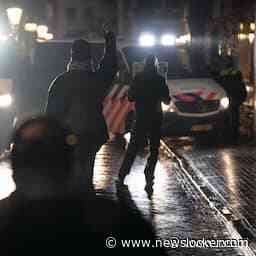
(199, 104)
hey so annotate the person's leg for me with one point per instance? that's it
(154, 138)
(137, 138)
(84, 163)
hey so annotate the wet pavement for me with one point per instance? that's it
(173, 212)
(228, 172)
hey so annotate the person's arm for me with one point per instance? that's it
(108, 65)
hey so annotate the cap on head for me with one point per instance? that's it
(41, 143)
(80, 50)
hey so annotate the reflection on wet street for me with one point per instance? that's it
(230, 172)
(172, 212)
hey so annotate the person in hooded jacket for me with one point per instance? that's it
(75, 98)
(148, 90)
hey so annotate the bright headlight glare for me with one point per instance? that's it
(147, 40)
(224, 102)
(168, 40)
(5, 100)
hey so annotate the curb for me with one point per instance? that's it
(237, 227)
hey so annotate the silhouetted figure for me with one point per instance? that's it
(46, 215)
(232, 81)
(76, 96)
(148, 90)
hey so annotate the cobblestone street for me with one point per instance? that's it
(230, 172)
(174, 213)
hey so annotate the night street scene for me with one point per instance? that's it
(128, 126)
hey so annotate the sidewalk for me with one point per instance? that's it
(227, 177)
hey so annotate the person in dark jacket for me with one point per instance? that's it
(76, 96)
(148, 90)
(232, 81)
(46, 215)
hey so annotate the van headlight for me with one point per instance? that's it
(5, 100)
(224, 103)
(147, 40)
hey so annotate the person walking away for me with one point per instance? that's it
(232, 81)
(76, 96)
(148, 90)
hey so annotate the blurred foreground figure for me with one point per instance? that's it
(46, 215)
(148, 90)
(76, 96)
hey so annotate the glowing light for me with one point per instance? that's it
(146, 40)
(251, 37)
(165, 107)
(168, 40)
(253, 26)
(127, 137)
(14, 15)
(48, 36)
(241, 26)
(242, 36)
(5, 100)
(224, 102)
(7, 185)
(3, 38)
(42, 31)
(184, 39)
(181, 40)
(30, 27)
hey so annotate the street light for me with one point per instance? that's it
(168, 40)
(42, 31)
(48, 36)
(30, 27)
(147, 40)
(247, 32)
(14, 16)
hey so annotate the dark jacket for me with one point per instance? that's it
(72, 225)
(147, 91)
(75, 97)
(232, 82)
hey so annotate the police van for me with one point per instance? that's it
(199, 104)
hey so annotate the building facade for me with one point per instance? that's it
(71, 19)
(232, 32)
(78, 18)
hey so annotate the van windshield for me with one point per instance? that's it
(179, 65)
